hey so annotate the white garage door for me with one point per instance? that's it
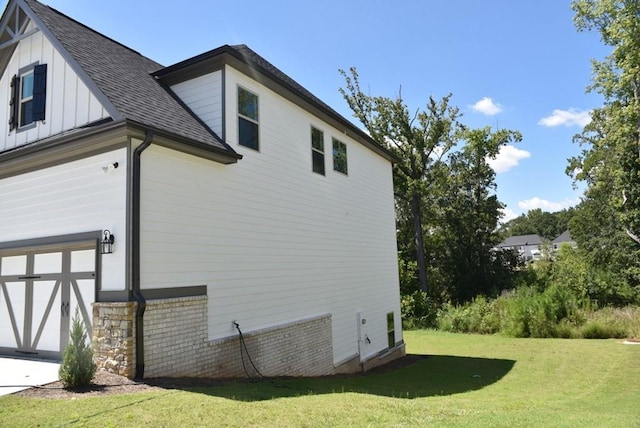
(40, 290)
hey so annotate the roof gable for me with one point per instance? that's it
(14, 26)
(118, 76)
(563, 237)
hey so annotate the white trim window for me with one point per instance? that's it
(248, 123)
(339, 156)
(317, 151)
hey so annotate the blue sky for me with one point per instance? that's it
(511, 64)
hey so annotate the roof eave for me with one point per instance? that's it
(72, 145)
(188, 145)
(227, 55)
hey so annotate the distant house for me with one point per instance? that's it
(175, 207)
(528, 246)
(564, 239)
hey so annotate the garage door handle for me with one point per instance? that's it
(30, 277)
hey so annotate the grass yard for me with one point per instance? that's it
(464, 380)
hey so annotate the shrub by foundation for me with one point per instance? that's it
(77, 369)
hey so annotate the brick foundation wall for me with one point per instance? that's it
(175, 335)
(302, 348)
(176, 344)
(113, 337)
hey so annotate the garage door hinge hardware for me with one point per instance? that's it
(30, 277)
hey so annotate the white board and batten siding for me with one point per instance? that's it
(273, 241)
(69, 103)
(75, 197)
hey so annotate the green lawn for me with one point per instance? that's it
(463, 380)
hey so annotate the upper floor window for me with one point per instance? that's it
(339, 156)
(317, 150)
(248, 119)
(28, 96)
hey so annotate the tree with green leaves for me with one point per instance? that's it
(471, 211)
(607, 223)
(446, 207)
(419, 141)
(545, 224)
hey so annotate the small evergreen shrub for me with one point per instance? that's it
(77, 369)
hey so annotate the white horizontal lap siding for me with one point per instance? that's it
(74, 197)
(273, 241)
(203, 95)
(69, 103)
(349, 220)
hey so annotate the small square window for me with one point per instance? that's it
(317, 150)
(248, 124)
(339, 156)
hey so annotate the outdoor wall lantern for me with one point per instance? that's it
(106, 246)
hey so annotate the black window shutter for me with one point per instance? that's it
(13, 103)
(39, 91)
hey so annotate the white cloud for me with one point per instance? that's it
(544, 205)
(507, 214)
(571, 117)
(486, 106)
(508, 158)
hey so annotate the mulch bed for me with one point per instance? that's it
(105, 383)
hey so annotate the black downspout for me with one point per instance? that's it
(135, 265)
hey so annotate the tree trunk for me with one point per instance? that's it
(417, 229)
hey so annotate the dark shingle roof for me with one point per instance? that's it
(124, 77)
(516, 241)
(249, 55)
(564, 237)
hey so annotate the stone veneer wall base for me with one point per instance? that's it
(113, 337)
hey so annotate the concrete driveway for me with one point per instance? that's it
(17, 374)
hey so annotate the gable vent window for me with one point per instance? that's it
(248, 119)
(28, 95)
(317, 150)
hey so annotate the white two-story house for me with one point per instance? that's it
(174, 208)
